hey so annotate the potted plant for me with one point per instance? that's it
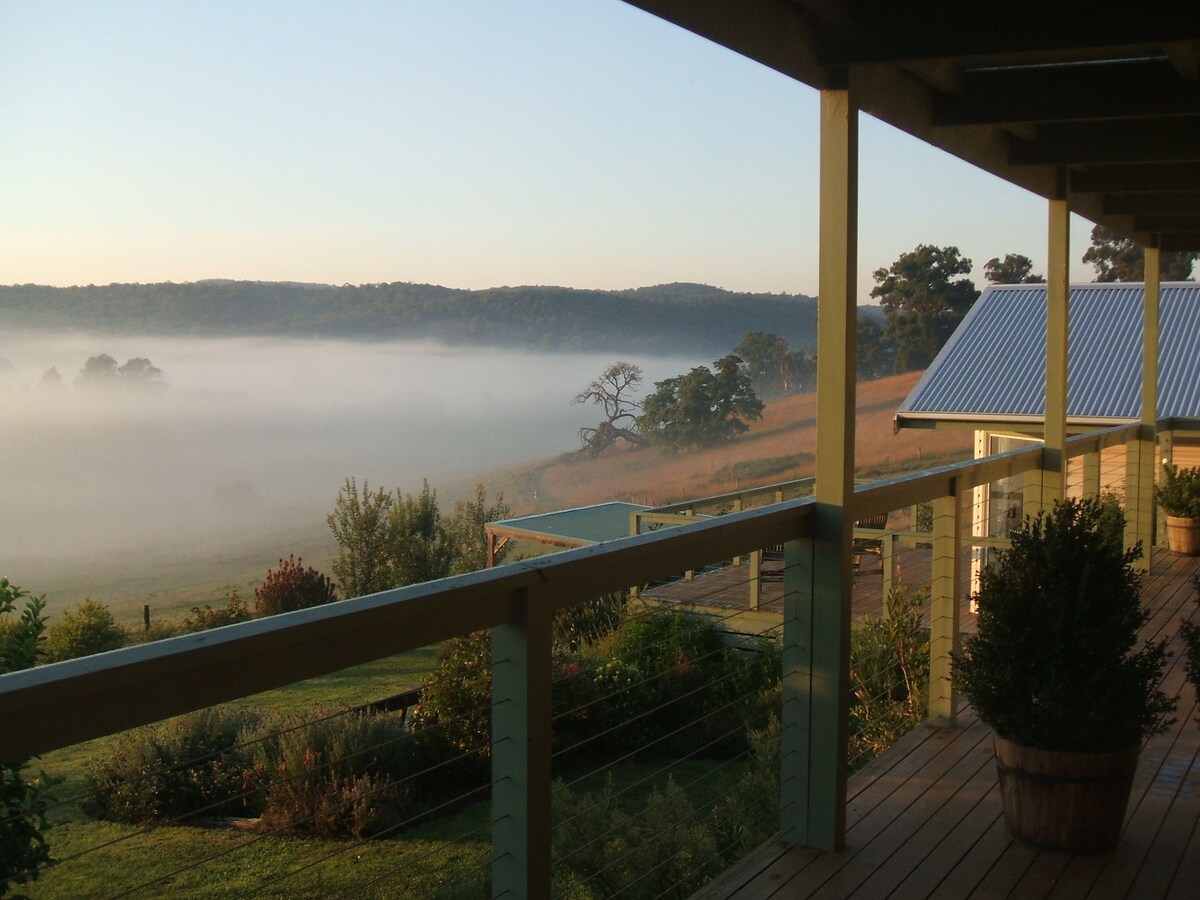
(1056, 670)
(1178, 494)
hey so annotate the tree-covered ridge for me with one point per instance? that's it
(673, 317)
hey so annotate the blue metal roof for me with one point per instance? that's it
(994, 365)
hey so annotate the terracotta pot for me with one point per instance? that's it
(1183, 535)
(1061, 800)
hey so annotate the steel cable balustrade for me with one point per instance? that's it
(378, 626)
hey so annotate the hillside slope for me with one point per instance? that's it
(677, 318)
(778, 447)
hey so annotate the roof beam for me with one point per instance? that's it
(1166, 223)
(1180, 241)
(886, 31)
(1124, 89)
(1152, 140)
(1136, 178)
(1175, 203)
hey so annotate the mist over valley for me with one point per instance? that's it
(252, 437)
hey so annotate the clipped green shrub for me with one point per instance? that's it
(89, 628)
(190, 765)
(338, 776)
(292, 587)
(1178, 491)
(206, 617)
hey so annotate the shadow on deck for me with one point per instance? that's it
(924, 818)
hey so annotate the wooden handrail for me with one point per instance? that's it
(65, 703)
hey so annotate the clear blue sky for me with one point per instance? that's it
(462, 142)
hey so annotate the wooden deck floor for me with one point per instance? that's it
(727, 587)
(924, 819)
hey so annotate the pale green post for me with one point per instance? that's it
(817, 582)
(737, 507)
(1166, 456)
(944, 608)
(522, 736)
(1139, 458)
(888, 561)
(690, 573)
(1058, 288)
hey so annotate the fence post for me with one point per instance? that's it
(755, 578)
(887, 559)
(521, 750)
(944, 607)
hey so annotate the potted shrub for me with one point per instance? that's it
(1178, 495)
(1056, 671)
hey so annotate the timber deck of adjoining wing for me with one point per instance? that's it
(924, 818)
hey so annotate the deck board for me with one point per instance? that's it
(924, 819)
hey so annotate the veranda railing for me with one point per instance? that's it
(66, 703)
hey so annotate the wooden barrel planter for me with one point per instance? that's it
(1059, 800)
(1183, 535)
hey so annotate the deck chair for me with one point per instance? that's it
(864, 545)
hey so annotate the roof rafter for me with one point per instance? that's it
(1129, 89)
(1152, 140)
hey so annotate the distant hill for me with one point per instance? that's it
(675, 317)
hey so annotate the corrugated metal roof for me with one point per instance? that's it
(993, 367)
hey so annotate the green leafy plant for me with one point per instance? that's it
(889, 675)
(23, 801)
(292, 587)
(1178, 491)
(1055, 662)
(89, 628)
(207, 616)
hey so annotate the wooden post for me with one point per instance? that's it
(1140, 453)
(817, 579)
(887, 559)
(737, 507)
(755, 578)
(1091, 474)
(522, 736)
(1058, 289)
(944, 608)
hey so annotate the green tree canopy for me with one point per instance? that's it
(1013, 269)
(423, 550)
(363, 527)
(922, 302)
(772, 366)
(1119, 259)
(700, 408)
(875, 354)
(389, 540)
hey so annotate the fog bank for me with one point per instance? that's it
(251, 435)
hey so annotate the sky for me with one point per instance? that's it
(470, 143)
